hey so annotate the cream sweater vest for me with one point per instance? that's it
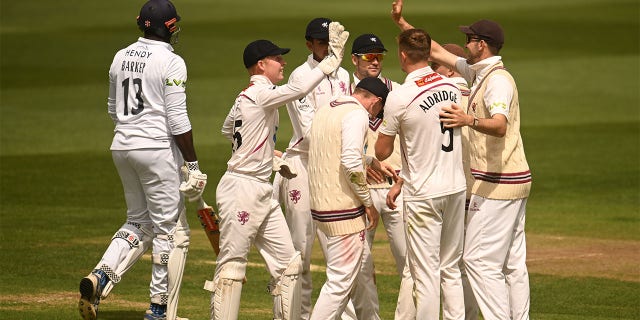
(336, 209)
(466, 157)
(498, 165)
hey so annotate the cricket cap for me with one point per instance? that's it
(375, 86)
(366, 43)
(489, 30)
(318, 28)
(259, 49)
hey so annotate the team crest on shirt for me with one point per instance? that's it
(295, 195)
(243, 217)
(473, 207)
(343, 87)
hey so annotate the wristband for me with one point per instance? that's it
(192, 166)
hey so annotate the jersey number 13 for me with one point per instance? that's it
(137, 86)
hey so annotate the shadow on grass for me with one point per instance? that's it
(120, 315)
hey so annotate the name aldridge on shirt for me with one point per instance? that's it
(438, 96)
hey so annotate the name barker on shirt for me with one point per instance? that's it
(135, 66)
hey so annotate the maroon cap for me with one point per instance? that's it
(455, 49)
(487, 29)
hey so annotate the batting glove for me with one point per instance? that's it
(337, 40)
(194, 183)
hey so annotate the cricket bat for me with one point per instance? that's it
(210, 222)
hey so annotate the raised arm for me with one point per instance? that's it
(396, 16)
(438, 53)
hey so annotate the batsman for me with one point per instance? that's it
(152, 139)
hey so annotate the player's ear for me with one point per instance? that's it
(260, 66)
(403, 56)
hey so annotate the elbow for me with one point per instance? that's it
(381, 155)
(501, 131)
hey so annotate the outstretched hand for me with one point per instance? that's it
(396, 16)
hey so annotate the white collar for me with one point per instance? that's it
(155, 43)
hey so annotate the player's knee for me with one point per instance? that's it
(233, 270)
(133, 234)
(295, 265)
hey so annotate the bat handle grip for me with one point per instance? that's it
(201, 203)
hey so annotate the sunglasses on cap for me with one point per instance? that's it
(371, 56)
(475, 38)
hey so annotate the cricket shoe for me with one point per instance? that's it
(90, 290)
(149, 315)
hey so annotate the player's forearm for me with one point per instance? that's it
(293, 90)
(495, 126)
(185, 144)
(403, 24)
(384, 147)
(358, 184)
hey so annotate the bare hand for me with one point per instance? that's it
(396, 11)
(396, 16)
(384, 168)
(372, 216)
(374, 176)
(454, 117)
(393, 193)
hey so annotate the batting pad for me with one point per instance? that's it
(287, 292)
(226, 288)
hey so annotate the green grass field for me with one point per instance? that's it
(576, 63)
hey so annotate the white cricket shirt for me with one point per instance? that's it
(253, 120)
(499, 93)
(431, 155)
(147, 98)
(301, 111)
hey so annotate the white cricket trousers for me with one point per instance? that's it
(150, 179)
(435, 234)
(393, 221)
(495, 257)
(344, 260)
(249, 216)
(294, 194)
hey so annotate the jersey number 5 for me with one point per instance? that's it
(237, 137)
(444, 130)
(137, 84)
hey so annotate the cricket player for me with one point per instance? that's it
(247, 211)
(432, 177)
(294, 192)
(495, 244)
(152, 139)
(340, 194)
(470, 304)
(367, 54)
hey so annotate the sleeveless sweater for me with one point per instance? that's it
(498, 164)
(335, 207)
